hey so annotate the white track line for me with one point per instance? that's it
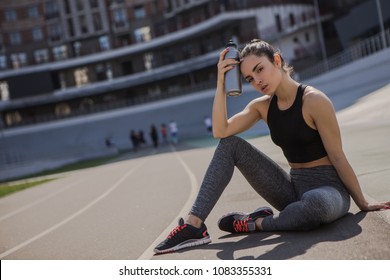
(27, 206)
(78, 213)
(148, 253)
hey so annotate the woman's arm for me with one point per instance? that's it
(322, 112)
(223, 127)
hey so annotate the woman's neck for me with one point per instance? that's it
(287, 89)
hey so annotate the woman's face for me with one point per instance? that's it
(261, 73)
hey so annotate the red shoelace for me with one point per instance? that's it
(241, 225)
(176, 230)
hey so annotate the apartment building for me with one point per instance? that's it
(60, 59)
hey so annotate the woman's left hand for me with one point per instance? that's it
(376, 206)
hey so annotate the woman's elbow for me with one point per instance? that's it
(219, 134)
(216, 135)
(336, 158)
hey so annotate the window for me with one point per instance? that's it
(60, 52)
(70, 27)
(10, 15)
(80, 5)
(291, 19)
(62, 109)
(303, 17)
(94, 3)
(120, 17)
(37, 34)
(12, 118)
(55, 32)
(97, 21)
(67, 7)
(15, 38)
(3, 62)
(33, 12)
(77, 48)
(41, 56)
(18, 60)
(142, 34)
(139, 12)
(62, 80)
(51, 9)
(278, 23)
(86, 104)
(109, 74)
(4, 91)
(307, 37)
(81, 76)
(83, 24)
(148, 61)
(104, 42)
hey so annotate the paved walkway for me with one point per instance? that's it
(123, 209)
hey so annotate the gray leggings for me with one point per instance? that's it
(306, 198)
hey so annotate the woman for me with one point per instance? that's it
(303, 123)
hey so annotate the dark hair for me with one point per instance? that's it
(261, 48)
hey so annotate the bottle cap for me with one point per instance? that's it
(231, 44)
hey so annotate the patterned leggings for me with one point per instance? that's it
(306, 198)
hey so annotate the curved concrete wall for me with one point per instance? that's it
(27, 150)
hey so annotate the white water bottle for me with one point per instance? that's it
(233, 85)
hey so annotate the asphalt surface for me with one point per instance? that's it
(121, 210)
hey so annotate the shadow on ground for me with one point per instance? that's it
(286, 245)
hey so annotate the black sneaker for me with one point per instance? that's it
(183, 236)
(237, 222)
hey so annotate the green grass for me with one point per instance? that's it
(78, 165)
(69, 167)
(6, 189)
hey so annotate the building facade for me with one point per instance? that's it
(60, 59)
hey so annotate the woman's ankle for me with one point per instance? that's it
(258, 224)
(193, 221)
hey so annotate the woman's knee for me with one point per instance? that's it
(230, 140)
(232, 144)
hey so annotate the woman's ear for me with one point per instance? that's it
(278, 60)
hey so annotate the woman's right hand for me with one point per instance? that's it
(225, 65)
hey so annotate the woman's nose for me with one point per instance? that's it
(258, 81)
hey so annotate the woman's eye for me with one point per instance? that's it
(249, 80)
(259, 69)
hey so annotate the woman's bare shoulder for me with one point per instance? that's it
(313, 96)
(261, 105)
(261, 101)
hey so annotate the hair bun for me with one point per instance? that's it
(255, 41)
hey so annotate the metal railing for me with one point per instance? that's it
(362, 49)
(98, 107)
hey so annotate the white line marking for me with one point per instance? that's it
(38, 201)
(78, 213)
(148, 253)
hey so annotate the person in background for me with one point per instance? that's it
(208, 124)
(174, 131)
(134, 140)
(154, 135)
(164, 134)
(141, 137)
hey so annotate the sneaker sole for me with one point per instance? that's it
(185, 244)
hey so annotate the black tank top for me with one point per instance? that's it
(300, 143)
